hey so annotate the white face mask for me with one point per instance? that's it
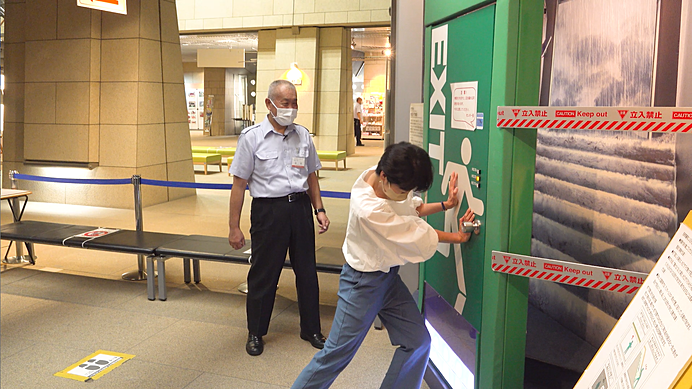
(389, 192)
(284, 116)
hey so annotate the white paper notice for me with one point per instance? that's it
(652, 342)
(415, 128)
(464, 105)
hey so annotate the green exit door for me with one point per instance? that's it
(461, 71)
(481, 55)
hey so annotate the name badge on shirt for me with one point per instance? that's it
(299, 157)
(298, 162)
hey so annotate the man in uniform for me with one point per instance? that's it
(277, 160)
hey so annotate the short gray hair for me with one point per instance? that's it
(276, 85)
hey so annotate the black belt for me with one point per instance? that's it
(290, 198)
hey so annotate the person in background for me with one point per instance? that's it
(277, 160)
(385, 231)
(357, 119)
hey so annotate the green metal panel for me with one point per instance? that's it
(498, 46)
(439, 11)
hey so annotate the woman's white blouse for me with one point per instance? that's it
(384, 233)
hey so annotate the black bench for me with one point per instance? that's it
(154, 245)
(210, 248)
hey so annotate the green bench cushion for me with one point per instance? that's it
(331, 155)
(206, 157)
(224, 151)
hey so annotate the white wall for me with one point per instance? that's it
(198, 15)
(408, 73)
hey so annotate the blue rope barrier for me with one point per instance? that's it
(179, 184)
(336, 195)
(145, 181)
(91, 181)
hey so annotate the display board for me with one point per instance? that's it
(651, 344)
(195, 108)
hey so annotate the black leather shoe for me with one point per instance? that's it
(254, 345)
(316, 340)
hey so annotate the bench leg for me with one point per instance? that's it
(220, 167)
(337, 164)
(344, 163)
(162, 277)
(205, 168)
(195, 270)
(151, 293)
(186, 270)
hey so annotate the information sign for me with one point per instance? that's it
(651, 344)
(415, 130)
(464, 105)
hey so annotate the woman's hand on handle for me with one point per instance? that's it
(469, 216)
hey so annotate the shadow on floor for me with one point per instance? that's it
(539, 375)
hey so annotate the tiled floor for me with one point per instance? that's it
(74, 302)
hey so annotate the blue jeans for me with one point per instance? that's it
(362, 296)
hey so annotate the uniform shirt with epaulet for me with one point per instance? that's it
(275, 164)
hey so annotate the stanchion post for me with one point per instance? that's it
(19, 249)
(139, 274)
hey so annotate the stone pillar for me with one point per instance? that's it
(335, 95)
(276, 51)
(325, 95)
(215, 84)
(98, 93)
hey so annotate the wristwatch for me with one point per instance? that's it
(320, 210)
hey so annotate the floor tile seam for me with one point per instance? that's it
(237, 378)
(110, 308)
(23, 339)
(6, 283)
(10, 315)
(142, 315)
(142, 341)
(201, 373)
(230, 375)
(144, 359)
(43, 343)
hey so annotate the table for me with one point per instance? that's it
(13, 197)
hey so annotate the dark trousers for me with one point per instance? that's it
(277, 226)
(356, 130)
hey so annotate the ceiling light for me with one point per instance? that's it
(294, 74)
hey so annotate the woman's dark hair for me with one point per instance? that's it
(407, 166)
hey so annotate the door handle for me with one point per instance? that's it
(474, 226)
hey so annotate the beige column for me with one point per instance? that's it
(335, 94)
(276, 51)
(325, 94)
(215, 85)
(93, 94)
